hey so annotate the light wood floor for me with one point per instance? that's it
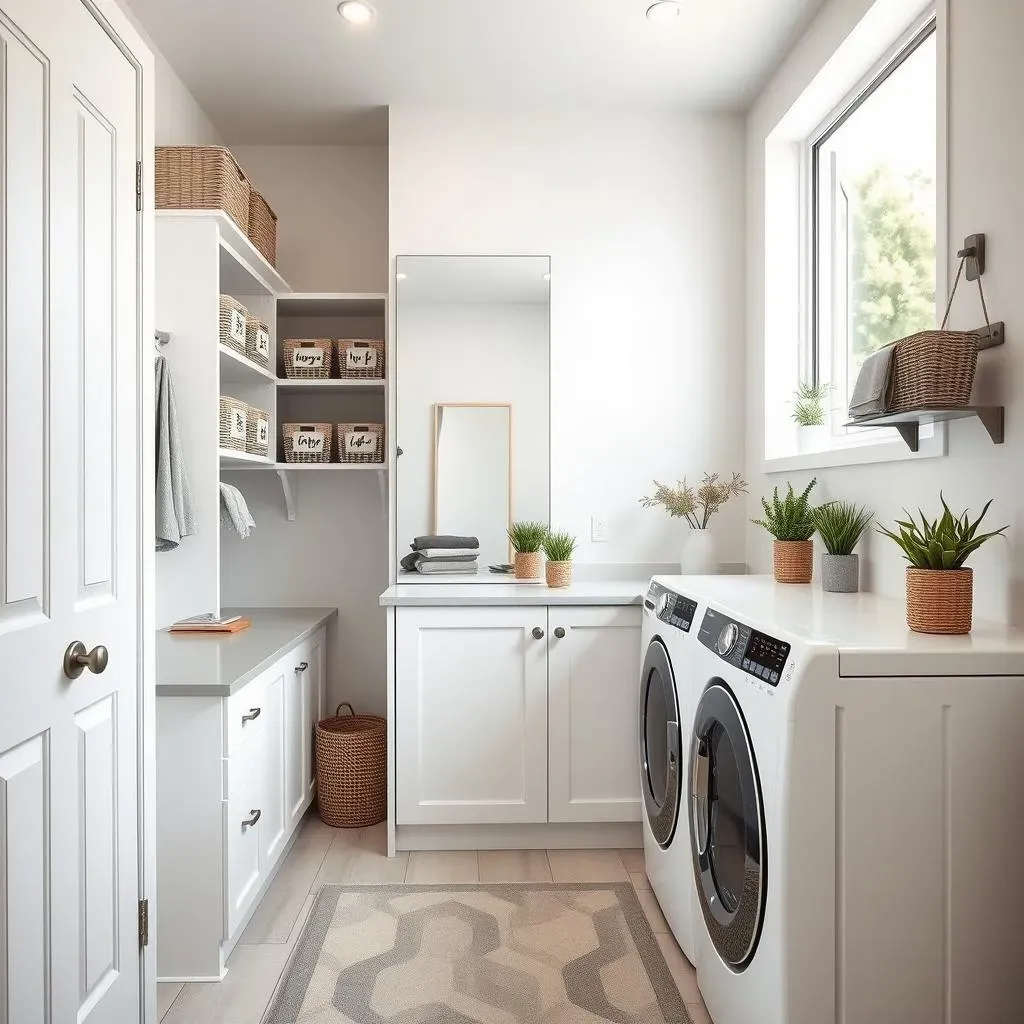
(321, 855)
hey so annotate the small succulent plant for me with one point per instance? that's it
(789, 518)
(527, 537)
(559, 546)
(840, 525)
(809, 404)
(943, 543)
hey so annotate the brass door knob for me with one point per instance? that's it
(77, 660)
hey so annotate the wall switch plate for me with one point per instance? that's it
(598, 530)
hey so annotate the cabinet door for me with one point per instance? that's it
(296, 746)
(593, 673)
(272, 821)
(471, 715)
(314, 682)
(242, 828)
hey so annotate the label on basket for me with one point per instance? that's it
(262, 432)
(263, 343)
(361, 358)
(361, 442)
(238, 424)
(237, 326)
(307, 357)
(308, 442)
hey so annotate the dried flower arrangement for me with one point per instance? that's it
(696, 504)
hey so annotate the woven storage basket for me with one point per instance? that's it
(360, 358)
(308, 358)
(307, 442)
(940, 600)
(262, 229)
(558, 574)
(234, 424)
(352, 769)
(934, 368)
(201, 178)
(527, 565)
(360, 442)
(793, 561)
(257, 341)
(257, 431)
(233, 319)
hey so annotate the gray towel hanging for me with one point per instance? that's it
(175, 509)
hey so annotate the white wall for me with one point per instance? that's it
(986, 79)
(642, 214)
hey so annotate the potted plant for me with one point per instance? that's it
(791, 523)
(526, 539)
(840, 525)
(697, 505)
(809, 414)
(559, 547)
(940, 590)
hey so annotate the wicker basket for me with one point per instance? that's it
(307, 442)
(940, 600)
(360, 442)
(234, 424)
(360, 358)
(527, 565)
(257, 431)
(262, 230)
(352, 769)
(934, 369)
(233, 319)
(201, 178)
(558, 574)
(257, 341)
(793, 561)
(308, 358)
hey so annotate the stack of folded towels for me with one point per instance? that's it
(442, 553)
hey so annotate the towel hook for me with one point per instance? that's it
(161, 338)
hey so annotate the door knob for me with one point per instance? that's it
(77, 660)
(538, 633)
(560, 633)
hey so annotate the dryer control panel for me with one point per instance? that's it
(756, 653)
(670, 607)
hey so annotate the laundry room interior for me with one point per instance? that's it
(568, 568)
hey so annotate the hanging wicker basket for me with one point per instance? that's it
(352, 769)
(940, 600)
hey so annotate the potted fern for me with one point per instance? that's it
(527, 539)
(559, 547)
(791, 522)
(840, 525)
(809, 414)
(940, 589)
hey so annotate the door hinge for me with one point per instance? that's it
(143, 923)
(138, 186)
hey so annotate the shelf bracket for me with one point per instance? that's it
(911, 434)
(993, 418)
(288, 488)
(991, 336)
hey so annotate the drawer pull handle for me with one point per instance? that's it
(302, 666)
(538, 633)
(249, 822)
(254, 713)
(560, 633)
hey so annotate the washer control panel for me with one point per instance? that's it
(670, 607)
(757, 654)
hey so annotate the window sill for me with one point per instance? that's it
(883, 447)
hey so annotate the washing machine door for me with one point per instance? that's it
(727, 830)
(660, 743)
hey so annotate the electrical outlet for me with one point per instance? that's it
(598, 530)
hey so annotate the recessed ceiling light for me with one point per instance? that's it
(663, 12)
(401, 277)
(356, 12)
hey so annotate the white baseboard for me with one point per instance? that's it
(601, 836)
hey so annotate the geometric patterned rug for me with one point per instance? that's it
(539, 953)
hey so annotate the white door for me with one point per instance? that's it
(592, 678)
(471, 720)
(69, 453)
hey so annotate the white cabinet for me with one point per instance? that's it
(273, 825)
(593, 757)
(304, 700)
(471, 722)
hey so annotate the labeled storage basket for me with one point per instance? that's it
(257, 341)
(262, 227)
(233, 319)
(308, 358)
(234, 424)
(307, 442)
(934, 368)
(360, 442)
(360, 358)
(201, 178)
(352, 769)
(257, 431)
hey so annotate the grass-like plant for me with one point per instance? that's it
(527, 537)
(791, 518)
(809, 404)
(559, 546)
(943, 543)
(840, 525)
(696, 504)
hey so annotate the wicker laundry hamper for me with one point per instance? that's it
(352, 769)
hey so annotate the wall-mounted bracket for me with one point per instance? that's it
(991, 336)
(974, 251)
(288, 484)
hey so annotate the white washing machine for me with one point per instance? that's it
(854, 812)
(665, 709)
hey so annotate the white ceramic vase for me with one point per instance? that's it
(813, 439)
(698, 557)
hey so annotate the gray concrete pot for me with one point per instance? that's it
(840, 574)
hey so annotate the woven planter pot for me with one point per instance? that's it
(940, 600)
(559, 574)
(527, 565)
(840, 574)
(352, 769)
(794, 561)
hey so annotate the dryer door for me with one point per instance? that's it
(660, 743)
(727, 831)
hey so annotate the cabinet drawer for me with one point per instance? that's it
(245, 762)
(245, 714)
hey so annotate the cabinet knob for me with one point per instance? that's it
(302, 666)
(538, 633)
(254, 713)
(249, 822)
(560, 633)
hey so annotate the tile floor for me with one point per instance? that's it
(321, 855)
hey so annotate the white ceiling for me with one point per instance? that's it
(473, 279)
(292, 71)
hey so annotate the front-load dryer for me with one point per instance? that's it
(664, 731)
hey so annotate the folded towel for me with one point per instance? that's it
(414, 559)
(873, 390)
(234, 512)
(444, 540)
(175, 509)
(461, 568)
(463, 554)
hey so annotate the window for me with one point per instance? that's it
(873, 221)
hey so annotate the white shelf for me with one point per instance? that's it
(243, 460)
(300, 386)
(333, 467)
(332, 304)
(238, 369)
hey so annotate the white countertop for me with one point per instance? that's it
(219, 665)
(460, 595)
